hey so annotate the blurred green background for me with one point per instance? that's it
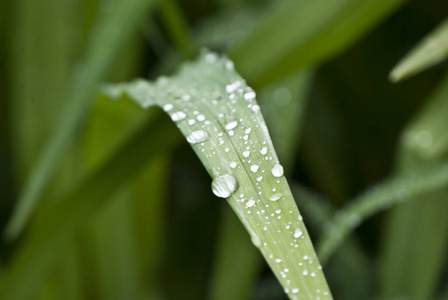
(160, 233)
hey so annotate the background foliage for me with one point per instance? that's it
(137, 219)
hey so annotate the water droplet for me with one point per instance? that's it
(305, 272)
(254, 168)
(224, 186)
(233, 165)
(250, 203)
(295, 290)
(201, 118)
(297, 233)
(260, 178)
(246, 153)
(168, 107)
(231, 125)
(277, 170)
(255, 108)
(264, 150)
(275, 197)
(248, 130)
(197, 136)
(249, 95)
(278, 260)
(178, 116)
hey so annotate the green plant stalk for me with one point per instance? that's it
(408, 268)
(58, 221)
(105, 41)
(217, 112)
(430, 51)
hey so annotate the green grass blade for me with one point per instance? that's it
(392, 192)
(430, 51)
(177, 27)
(282, 105)
(424, 143)
(218, 114)
(107, 37)
(57, 223)
(303, 33)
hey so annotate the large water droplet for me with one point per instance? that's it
(197, 136)
(277, 170)
(224, 186)
(254, 168)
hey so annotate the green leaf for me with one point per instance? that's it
(424, 143)
(106, 38)
(216, 111)
(303, 33)
(430, 51)
(392, 192)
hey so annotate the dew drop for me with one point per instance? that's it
(250, 203)
(278, 260)
(246, 153)
(168, 107)
(260, 178)
(255, 108)
(277, 170)
(297, 233)
(231, 125)
(249, 95)
(275, 197)
(197, 136)
(224, 186)
(254, 168)
(264, 150)
(233, 165)
(201, 118)
(178, 116)
(295, 290)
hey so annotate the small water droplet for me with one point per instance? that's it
(260, 178)
(249, 95)
(297, 233)
(197, 136)
(201, 118)
(231, 125)
(233, 165)
(254, 168)
(224, 186)
(277, 170)
(178, 116)
(168, 107)
(255, 108)
(250, 202)
(246, 153)
(278, 260)
(275, 197)
(295, 290)
(264, 150)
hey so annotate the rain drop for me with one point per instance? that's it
(297, 233)
(178, 116)
(277, 170)
(197, 136)
(231, 125)
(254, 168)
(224, 186)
